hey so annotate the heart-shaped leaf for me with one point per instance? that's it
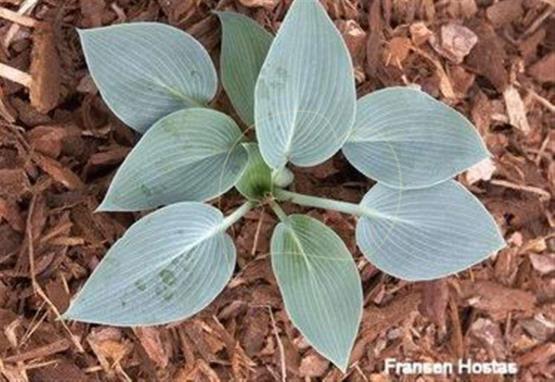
(256, 181)
(244, 48)
(191, 155)
(305, 93)
(168, 266)
(427, 233)
(404, 138)
(146, 70)
(320, 285)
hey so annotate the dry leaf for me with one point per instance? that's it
(419, 33)
(455, 43)
(397, 51)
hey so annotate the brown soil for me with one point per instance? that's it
(59, 146)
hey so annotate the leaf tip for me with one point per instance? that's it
(107, 206)
(342, 364)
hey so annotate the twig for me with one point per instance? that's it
(280, 347)
(17, 18)
(536, 190)
(541, 18)
(15, 75)
(538, 97)
(25, 8)
(257, 232)
(40, 352)
(36, 286)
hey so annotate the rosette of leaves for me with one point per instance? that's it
(298, 93)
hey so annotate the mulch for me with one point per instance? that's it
(59, 146)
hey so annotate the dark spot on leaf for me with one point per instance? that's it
(140, 284)
(167, 296)
(281, 74)
(145, 190)
(167, 277)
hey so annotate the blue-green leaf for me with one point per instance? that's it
(145, 71)
(320, 285)
(244, 48)
(404, 138)
(426, 233)
(168, 266)
(256, 181)
(191, 155)
(305, 94)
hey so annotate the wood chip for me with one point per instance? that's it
(544, 264)
(10, 212)
(482, 170)
(543, 70)
(504, 12)
(48, 139)
(496, 299)
(15, 75)
(92, 11)
(313, 365)
(490, 336)
(151, 341)
(40, 352)
(17, 18)
(354, 36)
(516, 110)
(267, 4)
(58, 172)
(45, 71)
(435, 297)
(488, 55)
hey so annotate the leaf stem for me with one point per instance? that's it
(278, 211)
(315, 201)
(232, 218)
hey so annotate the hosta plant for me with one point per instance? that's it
(296, 90)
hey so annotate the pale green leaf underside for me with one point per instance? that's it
(168, 266)
(145, 71)
(191, 155)
(256, 180)
(305, 94)
(426, 233)
(244, 48)
(404, 138)
(320, 285)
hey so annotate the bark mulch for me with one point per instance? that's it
(59, 146)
